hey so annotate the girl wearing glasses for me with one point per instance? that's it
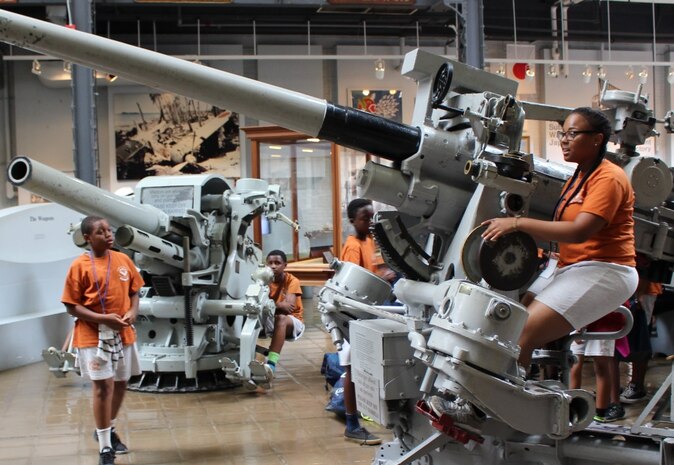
(593, 226)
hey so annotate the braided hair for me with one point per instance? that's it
(599, 123)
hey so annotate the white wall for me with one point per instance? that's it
(572, 91)
(43, 117)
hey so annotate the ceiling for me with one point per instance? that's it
(381, 22)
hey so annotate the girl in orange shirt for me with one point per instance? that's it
(593, 225)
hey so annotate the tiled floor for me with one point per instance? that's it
(48, 421)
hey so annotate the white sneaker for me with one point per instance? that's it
(459, 410)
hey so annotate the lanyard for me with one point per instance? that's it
(107, 279)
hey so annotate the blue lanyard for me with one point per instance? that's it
(107, 279)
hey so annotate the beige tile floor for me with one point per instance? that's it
(47, 421)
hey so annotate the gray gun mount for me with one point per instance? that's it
(457, 164)
(207, 286)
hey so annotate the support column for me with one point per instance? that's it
(85, 132)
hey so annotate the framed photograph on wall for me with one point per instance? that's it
(386, 103)
(159, 133)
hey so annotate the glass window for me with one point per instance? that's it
(304, 171)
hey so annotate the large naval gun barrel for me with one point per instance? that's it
(292, 110)
(83, 197)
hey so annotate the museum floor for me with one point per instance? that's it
(48, 421)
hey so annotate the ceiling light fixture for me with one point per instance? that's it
(501, 69)
(601, 72)
(587, 74)
(643, 75)
(37, 68)
(553, 71)
(379, 69)
(530, 73)
(629, 74)
(670, 75)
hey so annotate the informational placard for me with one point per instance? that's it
(172, 200)
(367, 394)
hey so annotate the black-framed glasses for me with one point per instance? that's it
(570, 135)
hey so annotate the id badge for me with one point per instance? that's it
(549, 269)
(105, 332)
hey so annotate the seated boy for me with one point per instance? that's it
(287, 294)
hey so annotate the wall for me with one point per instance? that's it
(43, 117)
(572, 91)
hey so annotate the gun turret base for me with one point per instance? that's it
(206, 380)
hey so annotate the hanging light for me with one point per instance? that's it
(501, 70)
(553, 72)
(530, 73)
(629, 74)
(601, 72)
(379, 69)
(37, 68)
(670, 75)
(366, 92)
(643, 75)
(587, 74)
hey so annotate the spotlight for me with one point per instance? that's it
(67, 67)
(111, 77)
(530, 73)
(366, 92)
(601, 73)
(552, 71)
(500, 70)
(629, 74)
(379, 69)
(37, 68)
(643, 75)
(670, 75)
(587, 75)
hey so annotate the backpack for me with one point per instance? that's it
(336, 402)
(331, 369)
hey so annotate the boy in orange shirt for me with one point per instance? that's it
(288, 319)
(101, 291)
(361, 250)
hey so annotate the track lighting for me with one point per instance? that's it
(379, 69)
(587, 74)
(37, 68)
(643, 75)
(601, 72)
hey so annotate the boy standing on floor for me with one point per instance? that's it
(101, 292)
(286, 292)
(360, 249)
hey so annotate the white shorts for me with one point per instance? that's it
(345, 354)
(586, 291)
(92, 368)
(298, 327)
(594, 348)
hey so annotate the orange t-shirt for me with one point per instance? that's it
(80, 289)
(290, 285)
(362, 253)
(608, 194)
(653, 289)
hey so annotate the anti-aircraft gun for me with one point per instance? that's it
(206, 280)
(457, 164)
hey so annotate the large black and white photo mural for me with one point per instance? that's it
(167, 134)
